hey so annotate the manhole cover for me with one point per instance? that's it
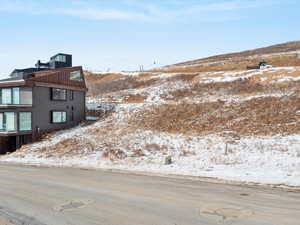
(226, 213)
(72, 205)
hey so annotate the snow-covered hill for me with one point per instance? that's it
(241, 126)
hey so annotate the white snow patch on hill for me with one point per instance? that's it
(267, 160)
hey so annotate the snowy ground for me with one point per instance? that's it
(163, 86)
(268, 160)
(113, 143)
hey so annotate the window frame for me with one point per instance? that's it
(71, 97)
(19, 125)
(12, 95)
(57, 111)
(61, 58)
(73, 76)
(2, 120)
(4, 126)
(52, 95)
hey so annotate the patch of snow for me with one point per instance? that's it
(287, 78)
(12, 81)
(162, 76)
(104, 107)
(92, 118)
(266, 160)
(125, 73)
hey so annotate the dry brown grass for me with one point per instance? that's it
(135, 99)
(186, 153)
(68, 147)
(102, 77)
(114, 154)
(147, 75)
(138, 153)
(262, 116)
(154, 147)
(101, 85)
(280, 48)
(238, 87)
(243, 87)
(183, 77)
(233, 64)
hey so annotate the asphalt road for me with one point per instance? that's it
(57, 196)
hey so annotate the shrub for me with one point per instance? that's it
(168, 160)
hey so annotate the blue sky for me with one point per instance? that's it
(122, 34)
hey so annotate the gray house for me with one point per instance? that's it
(39, 100)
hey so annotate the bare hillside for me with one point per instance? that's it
(241, 125)
(237, 125)
(274, 49)
(286, 54)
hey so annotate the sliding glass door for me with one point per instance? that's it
(8, 121)
(25, 121)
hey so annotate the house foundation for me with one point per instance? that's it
(12, 143)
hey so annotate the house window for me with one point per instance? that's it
(59, 94)
(25, 121)
(6, 96)
(8, 121)
(76, 75)
(16, 96)
(61, 58)
(26, 96)
(10, 96)
(59, 117)
(71, 95)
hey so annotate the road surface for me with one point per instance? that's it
(57, 196)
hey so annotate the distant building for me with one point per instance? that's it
(262, 65)
(57, 61)
(35, 101)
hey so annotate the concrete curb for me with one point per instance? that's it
(169, 176)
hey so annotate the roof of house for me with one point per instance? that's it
(59, 78)
(22, 72)
(59, 54)
(11, 79)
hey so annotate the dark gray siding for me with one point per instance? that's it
(26, 95)
(43, 105)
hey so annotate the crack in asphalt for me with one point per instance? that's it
(72, 205)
